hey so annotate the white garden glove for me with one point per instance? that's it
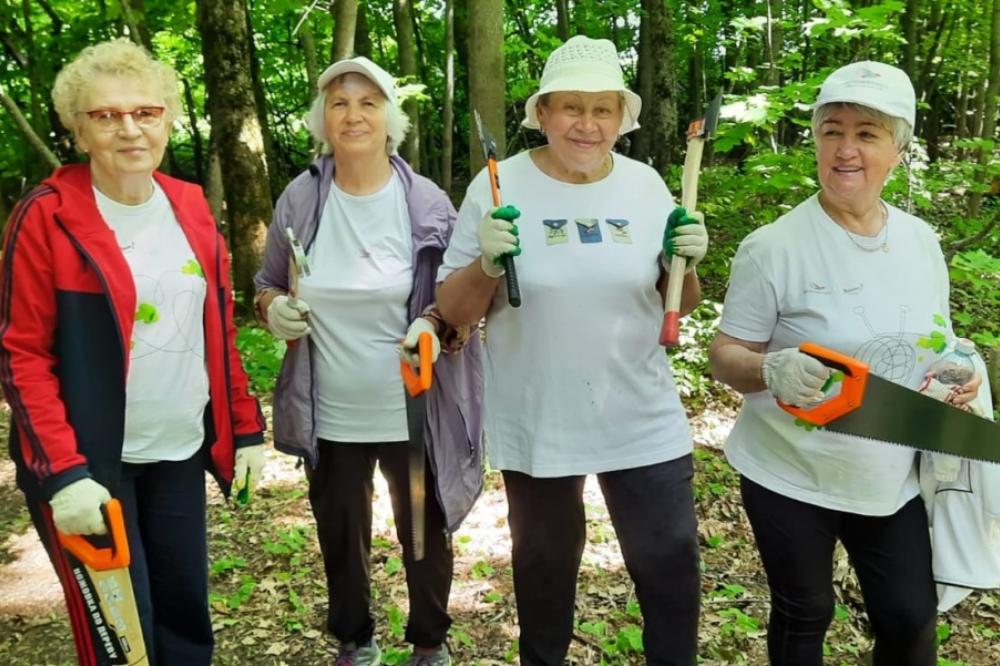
(287, 318)
(793, 377)
(76, 509)
(497, 238)
(408, 351)
(249, 465)
(685, 235)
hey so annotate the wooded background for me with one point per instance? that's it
(248, 69)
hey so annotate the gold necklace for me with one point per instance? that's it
(883, 233)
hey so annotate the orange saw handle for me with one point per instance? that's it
(416, 384)
(852, 393)
(116, 556)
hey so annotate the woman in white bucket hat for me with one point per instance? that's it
(374, 232)
(575, 382)
(848, 271)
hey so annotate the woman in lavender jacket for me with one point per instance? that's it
(374, 233)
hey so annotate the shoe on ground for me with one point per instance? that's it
(352, 654)
(438, 657)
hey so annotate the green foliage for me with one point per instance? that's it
(261, 353)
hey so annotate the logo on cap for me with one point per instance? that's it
(869, 74)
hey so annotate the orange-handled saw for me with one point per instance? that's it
(417, 385)
(699, 131)
(102, 575)
(865, 405)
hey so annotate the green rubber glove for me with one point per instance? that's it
(686, 236)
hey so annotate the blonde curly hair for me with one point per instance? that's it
(117, 57)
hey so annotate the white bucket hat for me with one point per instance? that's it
(873, 84)
(586, 65)
(364, 66)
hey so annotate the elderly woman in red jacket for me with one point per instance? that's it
(117, 351)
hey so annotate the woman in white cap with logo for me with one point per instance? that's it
(575, 381)
(374, 233)
(852, 273)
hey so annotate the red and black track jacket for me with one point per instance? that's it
(67, 308)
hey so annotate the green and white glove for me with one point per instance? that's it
(685, 236)
(498, 238)
(793, 377)
(249, 465)
(408, 351)
(76, 509)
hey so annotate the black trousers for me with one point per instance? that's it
(340, 491)
(652, 510)
(164, 508)
(891, 556)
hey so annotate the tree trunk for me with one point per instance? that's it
(644, 75)
(308, 42)
(562, 19)
(989, 118)
(486, 76)
(28, 131)
(274, 165)
(448, 115)
(663, 116)
(909, 21)
(199, 151)
(402, 15)
(345, 17)
(134, 13)
(240, 142)
(362, 40)
(36, 119)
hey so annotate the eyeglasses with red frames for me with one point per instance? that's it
(112, 120)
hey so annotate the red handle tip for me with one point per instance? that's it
(670, 333)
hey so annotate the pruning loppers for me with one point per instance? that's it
(102, 575)
(416, 385)
(699, 131)
(874, 408)
(489, 147)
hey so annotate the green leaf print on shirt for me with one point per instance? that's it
(192, 267)
(940, 321)
(936, 341)
(809, 427)
(147, 314)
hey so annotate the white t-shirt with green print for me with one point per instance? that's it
(803, 279)
(167, 385)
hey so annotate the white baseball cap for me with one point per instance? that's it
(585, 65)
(364, 66)
(873, 84)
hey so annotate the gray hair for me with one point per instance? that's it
(397, 123)
(900, 129)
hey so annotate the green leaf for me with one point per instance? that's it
(146, 314)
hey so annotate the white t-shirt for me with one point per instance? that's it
(575, 381)
(361, 278)
(167, 386)
(802, 279)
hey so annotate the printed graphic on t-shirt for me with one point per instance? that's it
(589, 229)
(556, 232)
(620, 232)
(177, 293)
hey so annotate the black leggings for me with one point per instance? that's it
(891, 557)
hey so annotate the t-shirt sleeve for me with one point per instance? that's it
(463, 247)
(750, 311)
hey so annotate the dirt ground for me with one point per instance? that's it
(269, 600)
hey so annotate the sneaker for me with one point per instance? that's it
(438, 657)
(352, 654)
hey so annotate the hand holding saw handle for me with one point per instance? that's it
(298, 266)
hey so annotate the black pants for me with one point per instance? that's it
(164, 508)
(340, 491)
(652, 510)
(891, 556)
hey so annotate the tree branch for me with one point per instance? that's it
(27, 131)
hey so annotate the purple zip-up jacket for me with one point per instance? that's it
(454, 403)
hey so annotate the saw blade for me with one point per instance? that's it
(897, 415)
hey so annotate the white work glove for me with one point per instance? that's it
(685, 236)
(76, 509)
(408, 351)
(793, 377)
(498, 237)
(287, 317)
(249, 465)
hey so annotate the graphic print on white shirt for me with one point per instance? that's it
(167, 384)
(574, 380)
(361, 276)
